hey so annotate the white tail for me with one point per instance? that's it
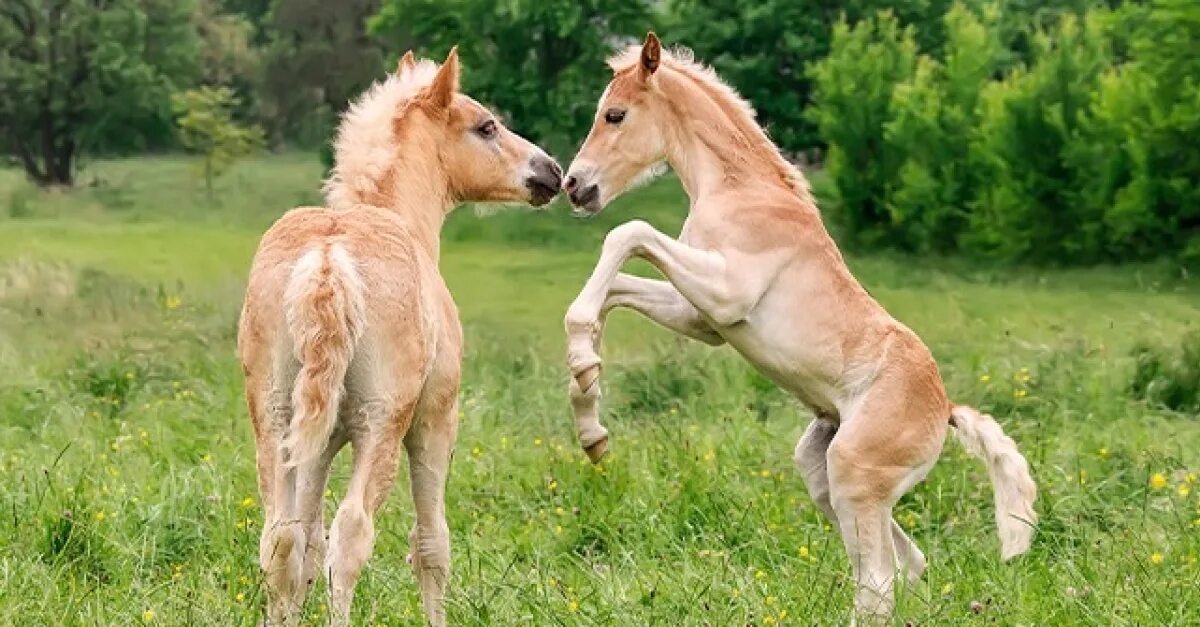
(326, 313)
(1013, 486)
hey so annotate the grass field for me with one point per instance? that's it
(128, 494)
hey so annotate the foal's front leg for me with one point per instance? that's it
(699, 277)
(661, 303)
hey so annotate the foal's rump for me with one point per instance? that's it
(325, 309)
(327, 286)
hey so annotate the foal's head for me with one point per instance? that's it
(417, 123)
(627, 143)
(662, 104)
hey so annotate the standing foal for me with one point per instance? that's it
(349, 334)
(754, 267)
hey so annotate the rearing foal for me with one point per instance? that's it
(755, 267)
(348, 333)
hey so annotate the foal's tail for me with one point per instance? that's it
(326, 312)
(1013, 486)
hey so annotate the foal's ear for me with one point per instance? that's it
(445, 84)
(651, 54)
(407, 63)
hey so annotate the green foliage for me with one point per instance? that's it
(206, 127)
(1028, 204)
(318, 56)
(854, 86)
(540, 62)
(1056, 133)
(932, 118)
(77, 75)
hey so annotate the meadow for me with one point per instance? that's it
(128, 492)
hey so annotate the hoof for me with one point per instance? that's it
(596, 450)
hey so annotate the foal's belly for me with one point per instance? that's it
(805, 368)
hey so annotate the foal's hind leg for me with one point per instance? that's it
(876, 456)
(311, 479)
(282, 544)
(810, 458)
(352, 535)
(430, 445)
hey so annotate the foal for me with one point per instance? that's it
(754, 267)
(348, 333)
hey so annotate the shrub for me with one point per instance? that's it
(854, 86)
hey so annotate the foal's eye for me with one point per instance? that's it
(614, 116)
(487, 130)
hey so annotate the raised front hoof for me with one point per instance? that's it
(597, 450)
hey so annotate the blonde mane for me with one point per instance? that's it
(365, 147)
(740, 112)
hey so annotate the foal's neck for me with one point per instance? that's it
(709, 151)
(421, 195)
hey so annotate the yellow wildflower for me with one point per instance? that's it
(99, 516)
(1103, 452)
(803, 551)
(984, 378)
(1158, 481)
(765, 473)
(206, 458)
(148, 615)
(248, 502)
(947, 588)
(1156, 558)
(537, 441)
(573, 606)
(173, 302)
(760, 575)
(241, 596)
(1184, 490)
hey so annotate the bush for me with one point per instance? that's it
(1031, 125)
(1071, 140)
(854, 86)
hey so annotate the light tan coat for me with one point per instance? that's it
(755, 268)
(349, 334)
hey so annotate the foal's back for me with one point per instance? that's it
(403, 294)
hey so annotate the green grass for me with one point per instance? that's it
(128, 462)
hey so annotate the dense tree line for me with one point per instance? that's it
(1060, 129)
(1069, 139)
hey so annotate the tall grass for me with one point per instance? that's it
(128, 494)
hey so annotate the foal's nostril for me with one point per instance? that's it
(570, 184)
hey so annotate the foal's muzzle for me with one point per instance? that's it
(544, 182)
(585, 196)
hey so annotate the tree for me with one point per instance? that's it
(854, 87)
(319, 56)
(541, 62)
(206, 127)
(78, 74)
